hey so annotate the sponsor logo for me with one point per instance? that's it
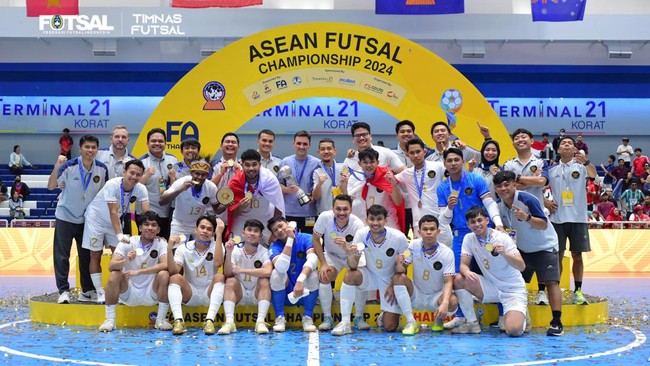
(214, 93)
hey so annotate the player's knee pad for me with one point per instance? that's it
(282, 264)
(277, 280)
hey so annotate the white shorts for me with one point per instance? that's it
(199, 296)
(248, 296)
(138, 297)
(336, 262)
(516, 300)
(372, 282)
(96, 238)
(422, 301)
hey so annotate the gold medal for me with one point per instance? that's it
(231, 163)
(249, 195)
(236, 239)
(333, 235)
(453, 194)
(139, 252)
(225, 195)
(489, 247)
(407, 253)
(345, 170)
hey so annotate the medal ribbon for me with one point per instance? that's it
(86, 176)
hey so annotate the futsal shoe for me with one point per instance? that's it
(579, 298)
(542, 298)
(90, 296)
(208, 327)
(227, 328)
(280, 324)
(107, 326)
(529, 323)
(380, 319)
(308, 324)
(64, 298)
(437, 326)
(101, 297)
(555, 330)
(360, 323)
(163, 324)
(261, 328)
(454, 323)
(327, 323)
(179, 327)
(411, 329)
(467, 328)
(342, 329)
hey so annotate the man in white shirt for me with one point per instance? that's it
(362, 139)
(441, 133)
(265, 141)
(17, 161)
(625, 152)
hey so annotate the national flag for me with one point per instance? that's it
(214, 3)
(558, 10)
(37, 8)
(410, 7)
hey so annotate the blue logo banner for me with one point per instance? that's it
(419, 7)
(558, 10)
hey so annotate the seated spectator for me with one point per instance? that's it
(606, 205)
(646, 204)
(21, 188)
(16, 207)
(638, 215)
(614, 216)
(596, 220)
(17, 161)
(3, 191)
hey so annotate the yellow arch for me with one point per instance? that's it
(351, 61)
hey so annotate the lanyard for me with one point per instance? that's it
(122, 194)
(255, 187)
(370, 240)
(335, 228)
(86, 176)
(332, 173)
(487, 238)
(433, 250)
(145, 248)
(302, 171)
(419, 186)
(196, 193)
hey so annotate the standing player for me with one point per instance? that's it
(265, 140)
(569, 210)
(440, 133)
(333, 232)
(295, 273)
(500, 262)
(80, 180)
(248, 269)
(190, 149)
(201, 285)
(104, 215)
(380, 245)
(535, 238)
(326, 179)
(139, 274)
(421, 180)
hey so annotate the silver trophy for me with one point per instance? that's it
(285, 173)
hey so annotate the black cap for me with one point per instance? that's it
(626, 139)
(562, 130)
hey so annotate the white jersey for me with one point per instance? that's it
(199, 267)
(260, 209)
(429, 270)
(190, 205)
(245, 261)
(326, 225)
(387, 157)
(495, 268)
(152, 256)
(113, 192)
(375, 197)
(324, 203)
(380, 259)
(428, 178)
(225, 179)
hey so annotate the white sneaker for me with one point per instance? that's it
(280, 324)
(542, 298)
(90, 296)
(308, 324)
(227, 328)
(456, 322)
(327, 323)
(360, 323)
(163, 324)
(380, 319)
(342, 329)
(107, 326)
(64, 298)
(101, 297)
(261, 328)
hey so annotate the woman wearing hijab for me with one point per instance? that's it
(489, 164)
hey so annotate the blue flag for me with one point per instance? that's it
(409, 7)
(558, 10)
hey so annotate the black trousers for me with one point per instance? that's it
(64, 233)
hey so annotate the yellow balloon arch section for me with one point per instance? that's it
(324, 59)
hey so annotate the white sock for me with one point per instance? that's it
(325, 295)
(262, 309)
(175, 299)
(110, 312)
(97, 281)
(229, 309)
(360, 303)
(216, 297)
(162, 310)
(466, 303)
(347, 297)
(404, 302)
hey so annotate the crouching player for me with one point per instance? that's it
(380, 245)
(294, 272)
(139, 273)
(433, 273)
(202, 285)
(248, 268)
(501, 263)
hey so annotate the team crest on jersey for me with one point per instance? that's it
(276, 168)
(468, 191)
(533, 168)
(494, 253)
(349, 238)
(205, 200)
(300, 254)
(390, 252)
(132, 199)
(209, 257)
(169, 166)
(96, 179)
(154, 254)
(258, 264)
(575, 175)
(437, 266)
(431, 174)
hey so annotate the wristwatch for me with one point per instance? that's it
(530, 217)
(587, 162)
